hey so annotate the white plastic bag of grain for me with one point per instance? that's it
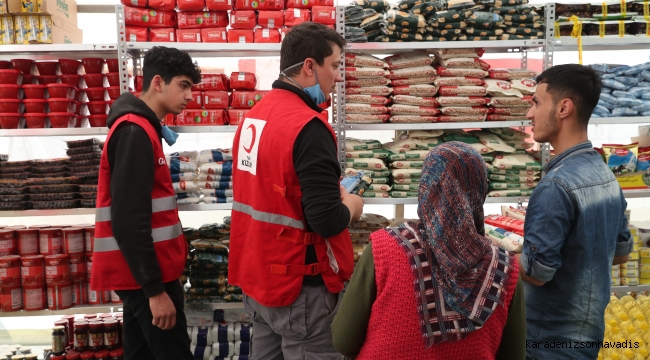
(423, 90)
(380, 187)
(184, 187)
(482, 149)
(452, 53)
(400, 164)
(428, 143)
(413, 119)
(496, 170)
(381, 180)
(201, 352)
(415, 100)
(185, 176)
(216, 185)
(366, 163)
(407, 180)
(409, 155)
(511, 111)
(367, 82)
(512, 178)
(504, 239)
(352, 144)
(412, 72)
(464, 110)
(214, 177)
(465, 62)
(493, 142)
(354, 73)
(407, 173)
(525, 86)
(402, 145)
(367, 99)
(359, 60)
(413, 59)
(509, 211)
(516, 162)
(406, 187)
(453, 72)
(398, 109)
(520, 144)
(511, 102)
(369, 90)
(403, 194)
(367, 109)
(459, 81)
(376, 194)
(188, 201)
(215, 200)
(214, 155)
(376, 154)
(512, 192)
(497, 87)
(187, 156)
(414, 81)
(463, 100)
(498, 185)
(221, 167)
(366, 119)
(213, 192)
(462, 91)
(178, 165)
(422, 133)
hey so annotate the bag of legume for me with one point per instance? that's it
(521, 112)
(377, 154)
(420, 71)
(459, 81)
(354, 73)
(405, 19)
(454, 72)
(461, 118)
(367, 99)
(415, 100)
(433, 22)
(409, 155)
(352, 144)
(398, 109)
(451, 15)
(485, 19)
(369, 90)
(473, 63)
(359, 60)
(414, 81)
(416, 90)
(367, 109)
(511, 74)
(368, 82)
(464, 110)
(413, 119)
(463, 91)
(511, 101)
(415, 59)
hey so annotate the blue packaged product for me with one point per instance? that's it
(621, 159)
(637, 69)
(619, 69)
(643, 107)
(626, 102)
(646, 96)
(624, 111)
(601, 111)
(616, 85)
(623, 94)
(637, 91)
(643, 161)
(609, 98)
(605, 90)
(645, 75)
(606, 105)
(351, 181)
(627, 81)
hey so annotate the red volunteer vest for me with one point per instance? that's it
(268, 237)
(110, 270)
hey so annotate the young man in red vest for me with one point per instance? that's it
(139, 246)
(290, 250)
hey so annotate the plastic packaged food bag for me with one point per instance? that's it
(621, 159)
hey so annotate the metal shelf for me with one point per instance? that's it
(204, 129)
(635, 194)
(212, 49)
(438, 126)
(91, 211)
(110, 308)
(45, 52)
(104, 131)
(620, 120)
(489, 46)
(596, 43)
(626, 288)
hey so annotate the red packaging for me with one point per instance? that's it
(188, 35)
(201, 117)
(139, 81)
(106, 299)
(241, 36)
(324, 15)
(50, 241)
(149, 18)
(283, 33)
(170, 120)
(10, 270)
(59, 296)
(78, 267)
(115, 299)
(267, 36)
(79, 293)
(166, 5)
(89, 237)
(202, 20)
(293, 17)
(34, 297)
(246, 99)
(242, 81)
(89, 266)
(236, 116)
(70, 333)
(73, 240)
(162, 35)
(57, 269)
(8, 243)
(137, 34)
(243, 19)
(259, 5)
(218, 5)
(215, 99)
(308, 4)
(506, 223)
(214, 35)
(27, 241)
(94, 297)
(213, 82)
(32, 270)
(190, 5)
(136, 3)
(270, 19)
(196, 102)
(11, 298)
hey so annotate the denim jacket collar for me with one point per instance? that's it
(586, 145)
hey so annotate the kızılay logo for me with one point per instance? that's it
(528, 82)
(61, 4)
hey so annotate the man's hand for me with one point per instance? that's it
(621, 259)
(163, 310)
(354, 204)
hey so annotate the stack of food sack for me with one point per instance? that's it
(183, 167)
(625, 91)
(367, 157)
(511, 93)
(366, 81)
(362, 19)
(232, 341)
(215, 176)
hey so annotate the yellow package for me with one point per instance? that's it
(634, 255)
(6, 30)
(616, 282)
(644, 274)
(616, 273)
(631, 280)
(31, 6)
(631, 265)
(21, 29)
(645, 252)
(45, 30)
(34, 25)
(3, 7)
(621, 159)
(630, 273)
(632, 229)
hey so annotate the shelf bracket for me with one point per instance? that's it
(549, 14)
(338, 106)
(122, 55)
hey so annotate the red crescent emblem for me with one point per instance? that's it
(252, 127)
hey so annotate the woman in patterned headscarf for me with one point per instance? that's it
(438, 288)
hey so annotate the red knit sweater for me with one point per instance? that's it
(394, 330)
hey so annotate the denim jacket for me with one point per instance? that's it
(575, 225)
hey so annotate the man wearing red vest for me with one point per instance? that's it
(290, 250)
(140, 249)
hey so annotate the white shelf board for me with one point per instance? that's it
(596, 43)
(489, 46)
(626, 288)
(104, 131)
(635, 194)
(56, 51)
(85, 309)
(204, 129)
(213, 49)
(620, 120)
(438, 126)
(91, 211)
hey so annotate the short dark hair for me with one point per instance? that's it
(168, 63)
(308, 40)
(579, 83)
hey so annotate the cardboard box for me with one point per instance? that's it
(63, 10)
(3, 7)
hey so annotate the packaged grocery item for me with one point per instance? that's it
(367, 99)
(501, 88)
(215, 99)
(270, 19)
(465, 62)
(214, 35)
(517, 162)
(525, 101)
(259, 5)
(454, 72)
(353, 108)
(243, 19)
(513, 225)
(241, 36)
(621, 159)
(415, 59)
(236, 116)
(162, 35)
(218, 5)
(412, 72)
(201, 117)
(242, 81)
(213, 82)
(511, 74)
(352, 73)
(7, 36)
(463, 100)
(165, 5)
(462, 91)
(324, 15)
(149, 18)
(359, 60)
(369, 90)
(45, 30)
(202, 19)
(246, 99)
(504, 239)
(643, 162)
(188, 35)
(423, 90)
(352, 144)
(293, 17)
(366, 118)
(461, 118)
(190, 5)
(399, 109)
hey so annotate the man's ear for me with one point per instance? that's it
(565, 107)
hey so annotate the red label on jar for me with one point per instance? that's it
(27, 244)
(8, 247)
(94, 297)
(73, 241)
(9, 276)
(96, 340)
(79, 293)
(11, 299)
(57, 273)
(34, 297)
(51, 242)
(89, 236)
(59, 297)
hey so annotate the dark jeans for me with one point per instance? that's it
(143, 340)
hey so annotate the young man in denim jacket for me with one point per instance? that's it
(575, 223)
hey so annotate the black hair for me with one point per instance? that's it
(579, 83)
(308, 40)
(168, 63)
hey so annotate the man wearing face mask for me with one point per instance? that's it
(290, 250)
(139, 248)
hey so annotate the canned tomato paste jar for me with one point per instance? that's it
(34, 297)
(50, 241)
(59, 296)
(73, 240)
(79, 292)
(94, 297)
(27, 240)
(78, 266)
(11, 298)
(89, 235)
(115, 299)
(32, 269)
(8, 244)
(57, 269)
(89, 265)
(9, 270)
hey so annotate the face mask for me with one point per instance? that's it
(169, 135)
(314, 92)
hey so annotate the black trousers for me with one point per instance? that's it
(143, 340)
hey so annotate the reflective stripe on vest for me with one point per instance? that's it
(268, 217)
(157, 205)
(164, 233)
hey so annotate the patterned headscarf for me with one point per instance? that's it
(459, 276)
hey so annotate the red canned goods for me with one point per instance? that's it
(89, 234)
(34, 297)
(57, 269)
(59, 296)
(9, 270)
(73, 240)
(38, 227)
(78, 266)
(111, 335)
(27, 240)
(32, 270)
(50, 241)
(117, 354)
(66, 325)
(102, 355)
(8, 244)
(96, 335)
(72, 355)
(88, 355)
(89, 265)
(106, 299)
(80, 336)
(94, 297)
(79, 293)
(115, 299)
(89, 317)
(11, 298)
